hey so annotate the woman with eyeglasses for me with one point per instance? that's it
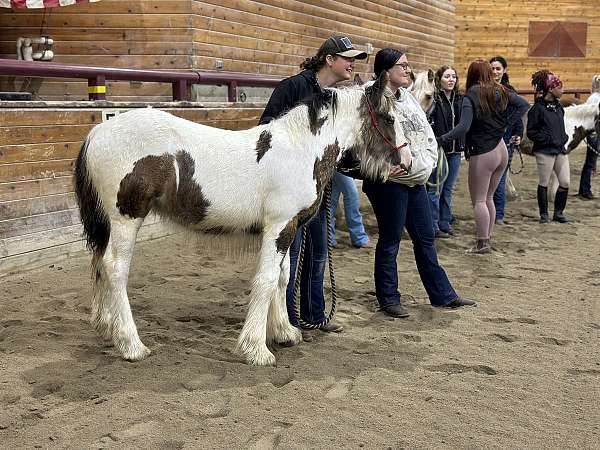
(485, 115)
(402, 201)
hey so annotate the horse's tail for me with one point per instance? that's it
(96, 225)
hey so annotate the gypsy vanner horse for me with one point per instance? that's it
(269, 178)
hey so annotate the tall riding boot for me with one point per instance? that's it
(560, 202)
(542, 198)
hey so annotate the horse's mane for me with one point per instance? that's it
(421, 81)
(324, 99)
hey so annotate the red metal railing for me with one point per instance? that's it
(576, 92)
(97, 76)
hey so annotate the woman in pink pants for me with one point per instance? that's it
(484, 119)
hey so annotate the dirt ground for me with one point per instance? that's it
(522, 370)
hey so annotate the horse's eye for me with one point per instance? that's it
(389, 120)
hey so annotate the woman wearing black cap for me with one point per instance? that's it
(334, 62)
(402, 201)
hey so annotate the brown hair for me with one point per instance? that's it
(480, 74)
(440, 73)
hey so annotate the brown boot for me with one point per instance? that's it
(332, 327)
(482, 246)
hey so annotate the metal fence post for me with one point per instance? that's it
(97, 88)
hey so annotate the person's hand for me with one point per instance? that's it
(515, 140)
(397, 171)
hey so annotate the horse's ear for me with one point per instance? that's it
(358, 80)
(430, 75)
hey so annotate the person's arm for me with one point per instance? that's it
(536, 131)
(461, 129)
(519, 107)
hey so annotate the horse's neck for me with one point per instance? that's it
(295, 125)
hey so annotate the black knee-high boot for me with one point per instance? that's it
(542, 198)
(560, 202)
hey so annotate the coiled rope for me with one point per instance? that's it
(298, 274)
(441, 171)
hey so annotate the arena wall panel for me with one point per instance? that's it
(486, 28)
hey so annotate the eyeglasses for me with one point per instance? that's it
(404, 65)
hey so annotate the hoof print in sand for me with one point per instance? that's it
(460, 368)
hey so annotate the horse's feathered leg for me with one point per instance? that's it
(252, 342)
(113, 316)
(279, 328)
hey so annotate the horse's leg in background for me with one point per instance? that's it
(552, 186)
(279, 328)
(111, 313)
(252, 342)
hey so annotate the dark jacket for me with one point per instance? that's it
(289, 93)
(546, 127)
(517, 128)
(446, 116)
(485, 129)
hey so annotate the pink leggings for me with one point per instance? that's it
(485, 172)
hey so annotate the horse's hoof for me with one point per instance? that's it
(264, 358)
(292, 336)
(137, 354)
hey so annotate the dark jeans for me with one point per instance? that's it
(312, 301)
(441, 205)
(500, 194)
(396, 206)
(585, 182)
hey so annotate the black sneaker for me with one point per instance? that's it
(398, 311)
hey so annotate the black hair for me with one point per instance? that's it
(539, 81)
(502, 61)
(385, 60)
(315, 63)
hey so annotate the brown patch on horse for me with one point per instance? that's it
(144, 183)
(184, 204)
(263, 144)
(325, 167)
(579, 134)
(323, 171)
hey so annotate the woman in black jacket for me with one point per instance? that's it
(546, 129)
(512, 135)
(334, 62)
(444, 116)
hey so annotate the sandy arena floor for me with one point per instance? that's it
(522, 370)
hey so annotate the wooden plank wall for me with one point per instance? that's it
(266, 36)
(39, 220)
(487, 28)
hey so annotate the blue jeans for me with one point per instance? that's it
(441, 205)
(397, 205)
(312, 301)
(585, 182)
(500, 194)
(345, 185)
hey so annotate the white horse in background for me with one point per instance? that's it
(423, 89)
(267, 179)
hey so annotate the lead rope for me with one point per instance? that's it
(297, 279)
(441, 171)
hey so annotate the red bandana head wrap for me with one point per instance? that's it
(553, 82)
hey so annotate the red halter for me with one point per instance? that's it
(374, 123)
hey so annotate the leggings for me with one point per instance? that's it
(485, 172)
(557, 163)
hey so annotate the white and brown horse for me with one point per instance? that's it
(269, 178)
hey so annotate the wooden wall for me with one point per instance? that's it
(39, 219)
(267, 36)
(487, 28)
